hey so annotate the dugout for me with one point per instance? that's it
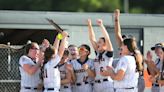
(17, 27)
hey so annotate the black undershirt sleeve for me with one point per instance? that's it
(109, 54)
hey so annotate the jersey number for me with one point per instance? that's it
(101, 69)
(85, 78)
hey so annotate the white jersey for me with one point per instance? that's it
(51, 73)
(63, 72)
(83, 81)
(100, 64)
(28, 80)
(128, 65)
(81, 74)
(103, 83)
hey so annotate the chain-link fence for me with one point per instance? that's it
(9, 68)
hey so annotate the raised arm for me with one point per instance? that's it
(92, 37)
(63, 44)
(105, 34)
(154, 71)
(56, 43)
(117, 28)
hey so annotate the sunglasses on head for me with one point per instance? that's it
(82, 49)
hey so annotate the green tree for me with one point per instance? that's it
(147, 6)
(135, 6)
(61, 5)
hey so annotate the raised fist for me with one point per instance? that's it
(99, 22)
(89, 22)
(149, 56)
(116, 14)
(85, 66)
(45, 43)
(64, 34)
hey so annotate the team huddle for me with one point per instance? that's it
(63, 68)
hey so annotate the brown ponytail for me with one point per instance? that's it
(132, 47)
(139, 60)
(49, 52)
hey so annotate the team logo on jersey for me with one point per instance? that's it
(79, 71)
(99, 60)
(101, 69)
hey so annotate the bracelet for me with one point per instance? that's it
(116, 20)
(59, 36)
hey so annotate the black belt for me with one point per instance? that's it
(31, 88)
(79, 84)
(50, 89)
(155, 85)
(65, 87)
(99, 81)
(124, 88)
(92, 84)
(129, 88)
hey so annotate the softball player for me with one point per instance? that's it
(65, 73)
(161, 77)
(84, 70)
(124, 75)
(52, 57)
(138, 55)
(74, 54)
(161, 80)
(30, 69)
(158, 48)
(104, 58)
